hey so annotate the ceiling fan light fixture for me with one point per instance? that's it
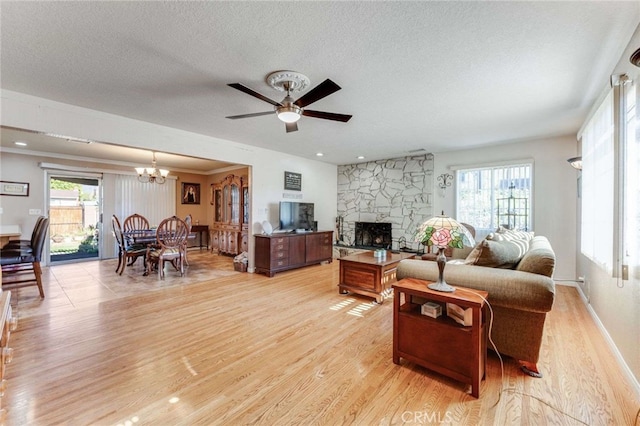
(289, 114)
(289, 111)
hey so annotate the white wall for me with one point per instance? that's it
(266, 177)
(554, 185)
(15, 210)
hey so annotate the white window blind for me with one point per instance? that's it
(598, 186)
(631, 234)
(153, 201)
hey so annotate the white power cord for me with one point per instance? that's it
(514, 390)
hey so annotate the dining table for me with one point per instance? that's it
(147, 236)
(8, 232)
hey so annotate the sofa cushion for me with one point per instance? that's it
(497, 254)
(539, 259)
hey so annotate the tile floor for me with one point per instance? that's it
(88, 283)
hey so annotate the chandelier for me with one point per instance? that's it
(152, 174)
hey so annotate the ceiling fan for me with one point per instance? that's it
(288, 110)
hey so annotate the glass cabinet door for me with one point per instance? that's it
(217, 200)
(226, 199)
(245, 204)
(235, 203)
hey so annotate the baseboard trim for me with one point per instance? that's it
(566, 283)
(621, 362)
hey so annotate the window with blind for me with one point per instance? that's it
(153, 201)
(631, 189)
(488, 197)
(597, 222)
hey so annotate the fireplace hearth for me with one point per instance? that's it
(371, 234)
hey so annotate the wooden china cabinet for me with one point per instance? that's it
(230, 198)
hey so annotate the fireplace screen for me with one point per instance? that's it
(370, 234)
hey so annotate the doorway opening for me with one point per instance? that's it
(75, 217)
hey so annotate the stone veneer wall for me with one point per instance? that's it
(398, 190)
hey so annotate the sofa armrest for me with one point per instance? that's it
(507, 288)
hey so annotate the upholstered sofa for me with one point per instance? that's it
(517, 274)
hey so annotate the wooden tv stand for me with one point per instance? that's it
(281, 252)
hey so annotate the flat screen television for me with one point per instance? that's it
(294, 215)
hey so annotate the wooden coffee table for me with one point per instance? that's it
(367, 275)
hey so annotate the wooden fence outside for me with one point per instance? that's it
(65, 220)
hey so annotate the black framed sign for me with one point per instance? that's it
(293, 181)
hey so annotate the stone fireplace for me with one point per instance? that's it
(396, 191)
(370, 234)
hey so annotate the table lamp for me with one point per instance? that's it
(442, 232)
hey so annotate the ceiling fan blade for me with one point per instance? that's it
(327, 115)
(254, 114)
(322, 90)
(253, 93)
(291, 127)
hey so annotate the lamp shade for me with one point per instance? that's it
(443, 231)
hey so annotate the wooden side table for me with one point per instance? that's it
(365, 274)
(440, 344)
(203, 230)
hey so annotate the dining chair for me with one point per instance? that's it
(135, 222)
(171, 237)
(16, 262)
(124, 251)
(26, 244)
(188, 220)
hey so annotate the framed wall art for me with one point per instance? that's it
(190, 193)
(293, 181)
(18, 189)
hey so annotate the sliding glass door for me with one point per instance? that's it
(75, 211)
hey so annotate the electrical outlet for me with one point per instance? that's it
(35, 212)
(1, 210)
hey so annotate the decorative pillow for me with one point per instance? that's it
(497, 254)
(503, 234)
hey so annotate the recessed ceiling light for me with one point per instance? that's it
(360, 157)
(319, 154)
(20, 143)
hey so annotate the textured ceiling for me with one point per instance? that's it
(415, 75)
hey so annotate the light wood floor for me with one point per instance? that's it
(223, 348)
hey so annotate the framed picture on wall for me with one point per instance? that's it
(20, 189)
(190, 193)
